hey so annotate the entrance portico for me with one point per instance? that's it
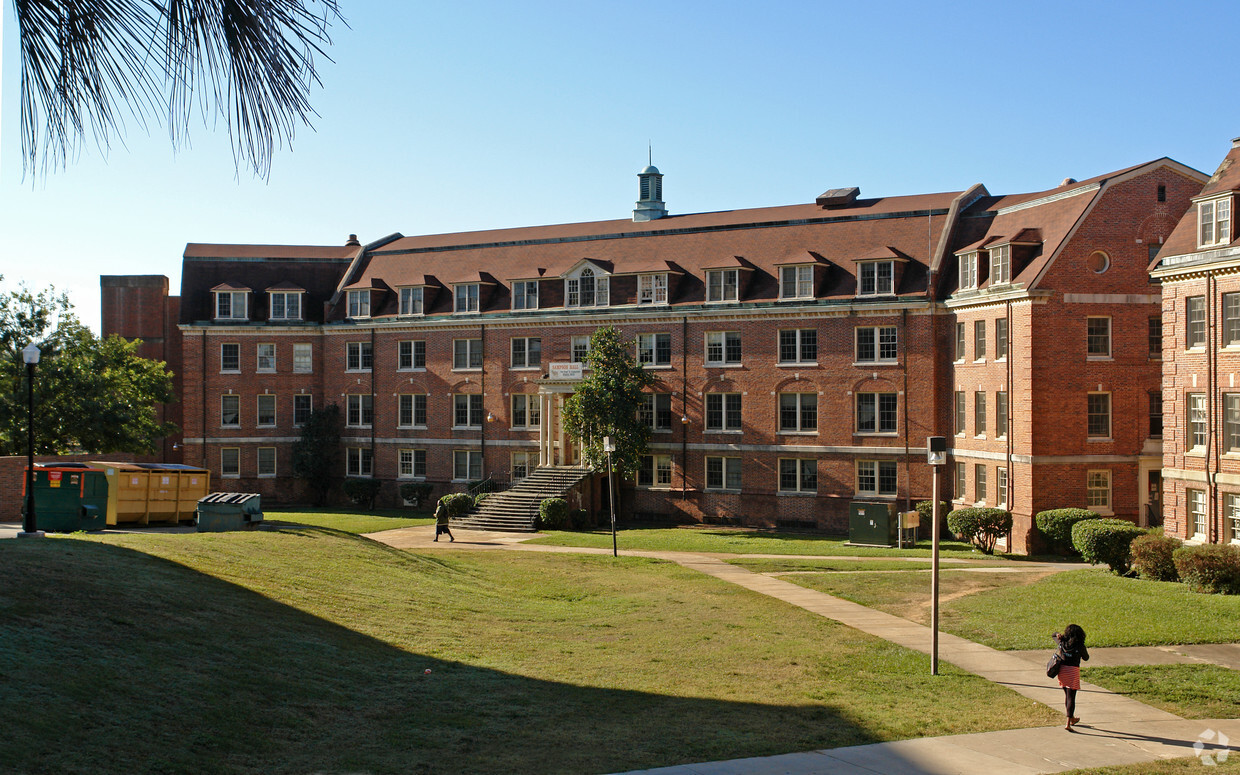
(555, 446)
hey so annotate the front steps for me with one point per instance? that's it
(515, 510)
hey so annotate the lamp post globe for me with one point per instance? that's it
(30, 527)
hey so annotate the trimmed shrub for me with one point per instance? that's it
(480, 497)
(1056, 524)
(1152, 556)
(553, 514)
(1210, 568)
(1106, 541)
(981, 527)
(362, 492)
(416, 492)
(925, 510)
(458, 504)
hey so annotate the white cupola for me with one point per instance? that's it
(650, 205)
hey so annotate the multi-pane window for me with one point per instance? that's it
(1156, 414)
(1232, 506)
(876, 278)
(522, 463)
(1156, 338)
(960, 351)
(1099, 415)
(723, 348)
(876, 412)
(230, 462)
(526, 352)
(1098, 489)
(1231, 319)
(359, 356)
(652, 288)
(798, 412)
(979, 412)
(230, 305)
(1196, 420)
(979, 340)
(303, 405)
(722, 284)
(525, 294)
(979, 483)
(266, 357)
(1001, 414)
(360, 412)
(723, 411)
(1195, 333)
(876, 343)
(303, 358)
(359, 461)
(412, 463)
(411, 301)
(960, 413)
(1214, 220)
(656, 411)
(526, 411)
(1000, 265)
(586, 290)
(411, 410)
(467, 353)
(466, 465)
(467, 410)
(1001, 338)
(359, 304)
(723, 473)
(960, 483)
(1197, 512)
(798, 346)
(1231, 421)
(579, 349)
(654, 349)
(1001, 485)
(285, 305)
(266, 411)
(466, 297)
(876, 477)
(265, 458)
(968, 271)
(796, 282)
(656, 471)
(230, 357)
(230, 410)
(1098, 337)
(411, 354)
(798, 475)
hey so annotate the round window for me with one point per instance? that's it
(1098, 262)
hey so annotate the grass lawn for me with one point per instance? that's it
(741, 540)
(349, 522)
(1188, 691)
(306, 650)
(1021, 610)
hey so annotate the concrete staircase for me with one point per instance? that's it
(515, 510)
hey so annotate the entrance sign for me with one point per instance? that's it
(564, 371)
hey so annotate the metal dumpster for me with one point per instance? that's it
(142, 493)
(68, 498)
(873, 523)
(222, 511)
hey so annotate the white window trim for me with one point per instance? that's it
(1000, 265)
(723, 275)
(308, 348)
(967, 275)
(723, 412)
(286, 294)
(654, 472)
(1108, 509)
(293, 414)
(876, 492)
(798, 361)
(230, 371)
(798, 282)
(658, 282)
(523, 295)
(410, 477)
(400, 293)
(348, 462)
(723, 471)
(512, 364)
(1110, 417)
(413, 410)
(877, 421)
(236, 474)
(1109, 356)
(361, 346)
(1191, 517)
(653, 363)
(258, 358)
(257, 463)
(357, 294)
(475, 298)
(799, 491)
(258, 412)
(236, 424)
(800, 430)
(878, 359)
(361, 410)
(412, 359)
(469, 456)
(468, 411)
(1216, 238)
(529, 426)
(862, 265)
(468, 354)
(232, 305)
(602, 288)
(723, 363)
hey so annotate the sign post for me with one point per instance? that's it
(609, 447)
(936, 456)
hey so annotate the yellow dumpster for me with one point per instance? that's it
(141, 493)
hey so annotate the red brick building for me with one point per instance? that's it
(803, 353)
(1199, 269)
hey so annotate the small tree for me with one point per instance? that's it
(981, 527)
(316, 454)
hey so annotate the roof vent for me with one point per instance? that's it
(352, 241)
(838, 197)
(1068, 181)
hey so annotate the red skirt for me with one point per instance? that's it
(1069, 677)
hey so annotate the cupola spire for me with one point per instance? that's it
(650, 205)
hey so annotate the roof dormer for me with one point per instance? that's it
(1214, 221)
(587, 284)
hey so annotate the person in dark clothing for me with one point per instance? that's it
(441, 523)
(1072, 650)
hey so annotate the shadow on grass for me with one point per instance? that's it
(112, 660)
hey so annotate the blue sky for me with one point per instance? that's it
(440, 117)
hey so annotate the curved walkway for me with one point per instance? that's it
(1117, 729)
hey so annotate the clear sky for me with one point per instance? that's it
(441, 117)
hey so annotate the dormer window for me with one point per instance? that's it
(722, 284)
(968, 271)
(796, 282)
(359, 303)
(285, 305)
(231, 305)
(1000, 265)
(1214, 222)
(411, 301)
(586, 290)
(652, 288)
(525, 294)
(467, 297)
(877, 278)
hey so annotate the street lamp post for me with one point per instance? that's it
(30, 529)
(936, 456)
(609, 447)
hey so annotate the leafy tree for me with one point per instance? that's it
(82, 61)
(316, 454)
(91, 394)
(606, 403)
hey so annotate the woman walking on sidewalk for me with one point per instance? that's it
(1071, 650)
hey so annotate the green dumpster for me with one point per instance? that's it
(68, 497)
(222, 511)
(873, 523)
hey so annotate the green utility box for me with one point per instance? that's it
(873, 523)
(68, 497)
(221, 511)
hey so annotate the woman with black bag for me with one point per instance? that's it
(1071, 651)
